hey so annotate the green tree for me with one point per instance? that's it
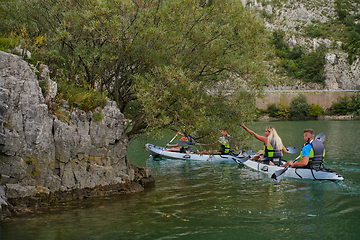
(168, 64)
(299, 107)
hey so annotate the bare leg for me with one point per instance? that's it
(259, 156)
(174, 149)
(209, 152)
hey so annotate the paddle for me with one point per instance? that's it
(251, 152)
(239, 160)
(171, 140)
(292, 150)
(279, 174)
(320, 137)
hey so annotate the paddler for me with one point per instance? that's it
(273, 147)
(312, 154)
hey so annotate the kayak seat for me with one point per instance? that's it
(277, 161)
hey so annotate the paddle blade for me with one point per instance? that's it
(279, 174)
(240, 160)
(320, 137)
(292, 150)
(251, 152)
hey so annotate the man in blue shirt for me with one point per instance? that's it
(313, 151)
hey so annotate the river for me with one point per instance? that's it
(217, 200)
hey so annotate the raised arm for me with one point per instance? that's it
(261, 138)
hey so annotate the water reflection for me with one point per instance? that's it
(197, 200)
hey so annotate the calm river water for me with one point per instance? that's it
(218, 200)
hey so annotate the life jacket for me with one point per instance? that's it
(183, 149)
(269, 151)
(317, 154)
(191, 141)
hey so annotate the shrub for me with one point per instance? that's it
(272, 110)
(314, 31)
(346, 105)
(316, 110)
(352, 28)
(354, 105)
(341, 106)
(97, 117)
(284, 111)
(84, 98)
(299, 107)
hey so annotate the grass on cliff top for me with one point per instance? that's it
(84, 98)
(7, 43)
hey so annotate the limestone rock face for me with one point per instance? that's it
(292, 17)
(39, 152)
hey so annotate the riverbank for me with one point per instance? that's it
(324, 98)
(266, 118)
(44, 199)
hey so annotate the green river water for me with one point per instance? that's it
(195, 200)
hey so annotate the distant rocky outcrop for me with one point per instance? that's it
(292, 16)
(46, 160)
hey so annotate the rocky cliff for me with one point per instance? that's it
(42, 156)
(293, 17)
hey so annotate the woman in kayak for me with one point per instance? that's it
(273, 147)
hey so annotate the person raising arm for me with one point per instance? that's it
(273, 146)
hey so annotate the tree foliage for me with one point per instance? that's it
(351, 26)
(168, 64)
(299, 107)
(298, 64)
(284, 109)
(316, 110)
(272, 110)
(346, 105)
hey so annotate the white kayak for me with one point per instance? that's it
(157, 151)
(300, 173)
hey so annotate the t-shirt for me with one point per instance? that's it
(306, 150)
(224, 140)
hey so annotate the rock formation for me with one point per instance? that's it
(292, 17)
(41, 155)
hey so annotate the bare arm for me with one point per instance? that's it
(174, 145)
(284, 150)
(304, 161)
(261, 138)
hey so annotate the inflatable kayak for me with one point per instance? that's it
(300, 173)
(157, 151)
